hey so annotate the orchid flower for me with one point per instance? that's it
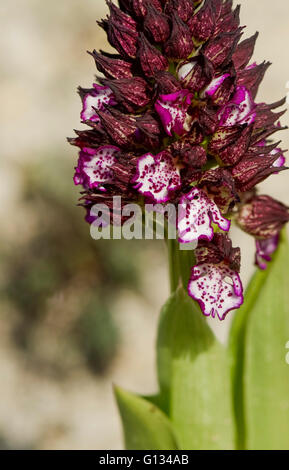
(176, 119)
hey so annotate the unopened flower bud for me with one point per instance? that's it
(167, 83)
(251, 77)
(140, 7)
(149, 132)
(193, 156)
(263, 217)
(156, 25)
(220, 250)
(252, 170)
(219, 50)
(131, 93)
(151, 59)
(220, 186)
(180, 44)
(232, 152)
(244, 52)
(120, 127)
(184, 8)
(202, 24)
(111, 66)
(228, 22)
(121, 31)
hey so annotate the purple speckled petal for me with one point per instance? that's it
(265, 250)
(96, 99)
(217, 288)
(196, 214)
(172, 110)
(156, 176)
(215, 84)
(240, 110)
(94, 166)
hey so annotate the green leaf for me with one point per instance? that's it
(260, 373)
(194, 377)
(237, 352)
(145, 426)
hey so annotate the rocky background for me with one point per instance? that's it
(78, 315)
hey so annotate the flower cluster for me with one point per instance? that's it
(174, 117)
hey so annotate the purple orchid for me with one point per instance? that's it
(264, 251)
(215, 282)
(94, 168)
(196, 214)
(172, 109)
(175, 118)
(94, 100)
(156, 176)
(218, 289)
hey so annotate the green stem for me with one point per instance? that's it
(186, 260)
(180, 264)
(174, 266)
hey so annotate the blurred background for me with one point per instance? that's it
(79, 315)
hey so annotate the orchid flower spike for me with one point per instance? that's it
(176, 119)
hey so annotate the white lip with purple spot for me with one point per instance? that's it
(95, 166)
(217, 289)
(156, 176)
(95, 100)
(196, 214)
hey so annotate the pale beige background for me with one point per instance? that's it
(43, 60)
